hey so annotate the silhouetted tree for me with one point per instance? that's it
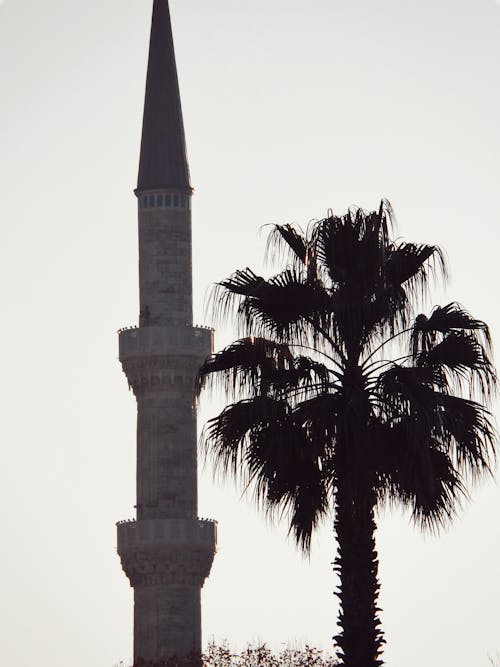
(220, 655)
(327, 412)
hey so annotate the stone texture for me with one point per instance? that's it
(165, 282)
(159, 620)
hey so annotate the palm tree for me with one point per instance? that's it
(329, 413)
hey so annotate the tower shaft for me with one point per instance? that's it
(165, 282)
(167, 551)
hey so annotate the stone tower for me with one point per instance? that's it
(167, 551)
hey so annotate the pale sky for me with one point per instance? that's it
(290, 108)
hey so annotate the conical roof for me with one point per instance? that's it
(163, 162)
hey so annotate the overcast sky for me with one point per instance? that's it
(290, 108)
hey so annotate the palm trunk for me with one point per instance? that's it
(360, 640)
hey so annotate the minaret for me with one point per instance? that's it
(167, 551)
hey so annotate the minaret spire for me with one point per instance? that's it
(163, 162)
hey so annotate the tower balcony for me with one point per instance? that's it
(155, 357)
(164, 339)
(167, 551)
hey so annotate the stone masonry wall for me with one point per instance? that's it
(165, 265)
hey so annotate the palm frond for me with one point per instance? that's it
(225, 297)
(352, 247)
(408, 265)
(384, 314)
(468, 434)
(286, 308)
(225, 437)
(461, 353)
(444, 320)
(241, 365)
(286, 473)
(311, 505)
(413, 470)
(438, 497)
(244, 282)
(403, 390)
(285, 242)
(298, 381)
(321, 417)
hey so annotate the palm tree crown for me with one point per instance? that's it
(343, 398)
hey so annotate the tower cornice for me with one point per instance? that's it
(152, 189)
